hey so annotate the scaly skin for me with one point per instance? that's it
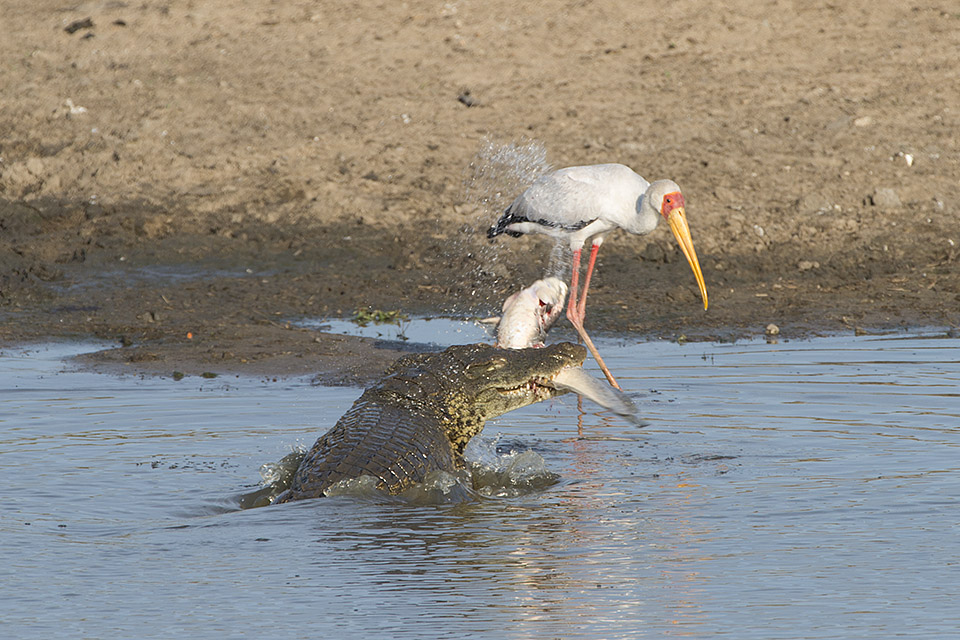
(421, 415)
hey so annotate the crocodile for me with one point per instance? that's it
(419, 417)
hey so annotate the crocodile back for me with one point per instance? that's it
(394, 442)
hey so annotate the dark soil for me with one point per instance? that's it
(182, 179)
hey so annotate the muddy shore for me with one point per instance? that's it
(182, 180)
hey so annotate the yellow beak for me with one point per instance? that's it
(678, 224)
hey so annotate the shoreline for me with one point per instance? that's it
(353, 360)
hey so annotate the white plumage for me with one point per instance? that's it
(577, 205)
(581, 203)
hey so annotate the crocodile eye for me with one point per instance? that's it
(497, 363)
(483, 368)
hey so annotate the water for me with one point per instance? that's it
(792, 490)
(434, 331)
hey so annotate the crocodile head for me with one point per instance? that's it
(500, 380)
(468, 384)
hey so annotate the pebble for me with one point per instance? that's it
(885, 198)
(466, 99)
(907, 157)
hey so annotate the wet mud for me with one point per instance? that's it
(182, 181)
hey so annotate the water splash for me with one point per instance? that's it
(560, 261)
(506, 474)
(490, 473)
(275, 479)
(497, 174)
(438, 487)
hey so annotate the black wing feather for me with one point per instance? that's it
(508, 218)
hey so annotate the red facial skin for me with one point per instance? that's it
(671, 201)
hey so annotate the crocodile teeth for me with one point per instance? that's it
(533, 386)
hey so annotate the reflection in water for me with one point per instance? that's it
(802, 490)
(561, 567)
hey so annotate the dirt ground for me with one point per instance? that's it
(181, 178)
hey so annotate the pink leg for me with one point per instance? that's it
(582, 305)
(572, 299)
(575, 312)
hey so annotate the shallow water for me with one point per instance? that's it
(792, 490)
(436, 331)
